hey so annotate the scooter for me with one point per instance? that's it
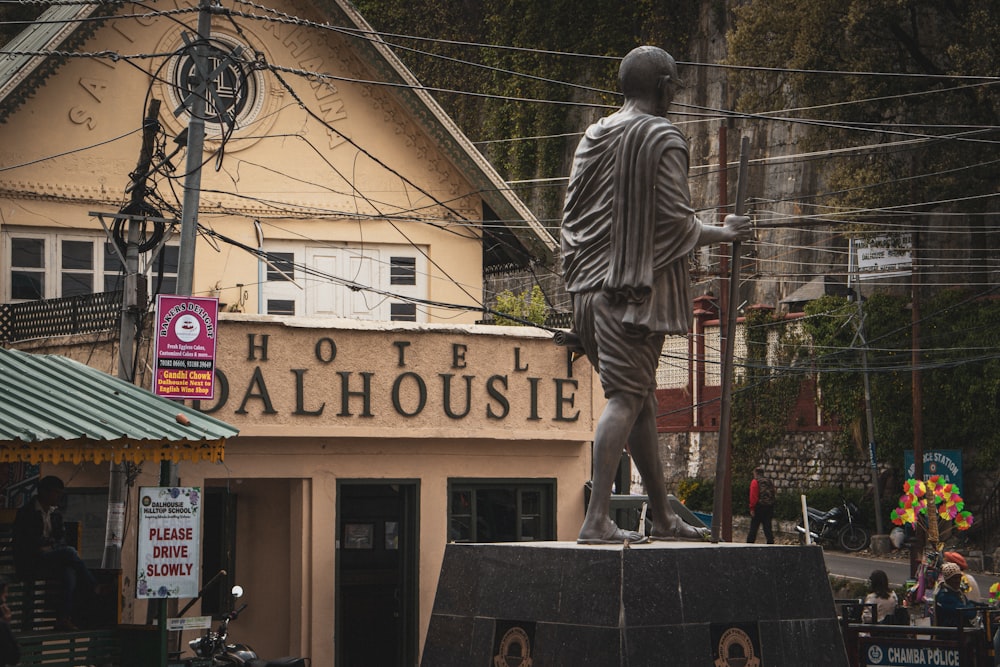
(213, 645)
(838, 526)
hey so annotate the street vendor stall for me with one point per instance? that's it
(56, 410)
(935, 509)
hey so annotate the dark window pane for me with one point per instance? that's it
(27, 253)
(501, 512)
(77, 255)
(167, 286)
(111, 261)
(280, 307)
(403, 312)
(170, 254)
(75, 284)
(531, 502)
(113, 282)
(531, 528)
(403, 271)
(281, 263)
(460, 526)
(496, 515)
(27, 285)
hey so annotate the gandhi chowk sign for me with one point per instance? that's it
(169, 542)
(185, 347)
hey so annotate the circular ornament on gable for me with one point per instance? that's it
(239, 107)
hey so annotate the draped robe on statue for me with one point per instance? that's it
(627, 229)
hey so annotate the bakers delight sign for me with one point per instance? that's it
(185, 347)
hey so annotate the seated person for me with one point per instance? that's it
(41, 553)
(969, 584)
(884, 599)
(951, 607)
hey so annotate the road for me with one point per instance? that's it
(842, 564)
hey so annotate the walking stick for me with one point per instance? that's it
(725, 419)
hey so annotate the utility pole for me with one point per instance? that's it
(917, 390)
(725, 516)
(112, 558)
(722, 464)
(869, 417)
(196, 102)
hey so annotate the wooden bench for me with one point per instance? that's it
(33, 607)
(84, 647)
(32, 602)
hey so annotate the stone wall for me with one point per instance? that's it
(801, 461)
(805, 460)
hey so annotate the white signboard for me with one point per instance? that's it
(189, 623)
(169, 542)
(882, 257)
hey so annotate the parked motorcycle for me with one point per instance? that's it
(213, 645)
(839, 526)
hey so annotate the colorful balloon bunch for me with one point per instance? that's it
(942, 497)
(995, 593)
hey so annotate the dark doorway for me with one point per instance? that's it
(377, 573)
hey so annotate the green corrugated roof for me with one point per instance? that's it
(47, 398)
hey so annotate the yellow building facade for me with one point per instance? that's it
(342, 220)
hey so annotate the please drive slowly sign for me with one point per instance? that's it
(169, 542)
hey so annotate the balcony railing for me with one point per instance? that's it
(90, 313)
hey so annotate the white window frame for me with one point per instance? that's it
(368, 265)
(52, 271)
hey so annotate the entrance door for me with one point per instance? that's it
(376, 574)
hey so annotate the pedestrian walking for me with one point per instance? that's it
(761, 506)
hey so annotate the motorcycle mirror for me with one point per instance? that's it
(237, 591)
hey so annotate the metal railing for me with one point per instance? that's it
(89, 313)
(987, 524)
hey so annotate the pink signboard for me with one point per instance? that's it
(185, 347)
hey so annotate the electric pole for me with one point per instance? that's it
(131, 307)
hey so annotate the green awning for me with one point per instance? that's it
(55, 409)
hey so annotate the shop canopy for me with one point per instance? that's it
(54, 409)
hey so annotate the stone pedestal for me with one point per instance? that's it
(668, 603)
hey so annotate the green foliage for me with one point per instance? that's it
(765, 393)
(538, 33)
(529, 305)
(697, 494)
(959, 372)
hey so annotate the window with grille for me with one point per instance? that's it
(403, 271)
(501, 510)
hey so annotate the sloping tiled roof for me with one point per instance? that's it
(22, 65)
(55, 409)
(21, 73)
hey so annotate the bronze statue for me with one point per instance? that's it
(627, 230)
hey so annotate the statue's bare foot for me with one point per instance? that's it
(678, 529)
(609, 534)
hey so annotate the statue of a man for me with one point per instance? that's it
(627, 230)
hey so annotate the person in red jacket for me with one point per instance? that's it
(761, 506)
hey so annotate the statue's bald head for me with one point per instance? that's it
(642, 70)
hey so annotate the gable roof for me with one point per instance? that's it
(61, 27)
(54, 408)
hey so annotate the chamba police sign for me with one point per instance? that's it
(910, 653)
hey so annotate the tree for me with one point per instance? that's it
(537, 66)
(766, 389)
(961, 372)
(892, 76)
(528, 306)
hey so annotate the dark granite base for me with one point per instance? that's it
(673, 604)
